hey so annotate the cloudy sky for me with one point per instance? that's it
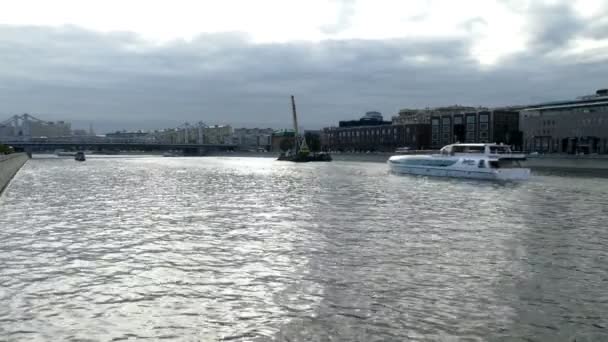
(152, 64)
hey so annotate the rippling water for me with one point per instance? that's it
(254, 249)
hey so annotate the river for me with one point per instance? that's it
(251, 249)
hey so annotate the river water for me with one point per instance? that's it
(250, 249)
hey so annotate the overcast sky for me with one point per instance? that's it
(152, 64)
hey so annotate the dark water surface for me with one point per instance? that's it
(249, 249)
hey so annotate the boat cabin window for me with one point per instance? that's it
(481, 164)
(429, 162)
(499, 149)
(505, 163)
(468, 149)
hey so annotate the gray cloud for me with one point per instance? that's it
(553, 26)
(119, 80)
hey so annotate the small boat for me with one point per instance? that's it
(79, 156)
(477, 161)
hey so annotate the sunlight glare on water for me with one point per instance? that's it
(254, 249)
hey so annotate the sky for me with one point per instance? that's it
(139, 64)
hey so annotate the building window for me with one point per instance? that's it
(470, 119)
(457, 120)
(483, 118)
(470, 127)
(483, 126)
(483, 135)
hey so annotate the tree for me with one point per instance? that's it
(6, 149)
(313, 141)
(286, 144)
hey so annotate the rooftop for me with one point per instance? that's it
(600, 97)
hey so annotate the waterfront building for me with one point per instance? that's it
(253, 138)
(130, 136)
(407, 116)
(475, 125)
(372, 133)
(166, 136)
(198, 133)
(574, 126)
(375, 138)
(217, 134)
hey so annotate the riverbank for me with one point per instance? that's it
(567, 161)
(9, 165)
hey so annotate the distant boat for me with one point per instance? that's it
(478, 161)
(79, 156)
(301, 152)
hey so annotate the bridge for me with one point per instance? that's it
(106, 146)
(30, 134)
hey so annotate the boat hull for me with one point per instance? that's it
(518, 174)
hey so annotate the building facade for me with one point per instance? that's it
(475, 126)
(577, 126)
(253, 138)
(375, 138)
(409, 116)
(130, 136)
(217, 134)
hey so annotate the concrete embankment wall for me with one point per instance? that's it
(9, 165)
(589, 162)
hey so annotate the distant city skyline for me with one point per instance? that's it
(148, 65)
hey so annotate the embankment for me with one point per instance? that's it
(9, 165)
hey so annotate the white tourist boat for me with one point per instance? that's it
(478, 161)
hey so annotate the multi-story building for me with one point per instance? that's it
(409, 116)
(253, 138)
(194, 134)
(166, 136)
(218, 134)
(130, 136)
(371, 133)
(575, 126)
(475, 125)
(375, 138)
